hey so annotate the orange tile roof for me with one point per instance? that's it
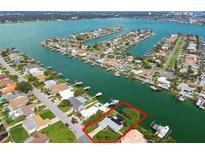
(41, 78)
(190, 61)
(39, 121)
(58, 87)
(8, 89)
(133, 136)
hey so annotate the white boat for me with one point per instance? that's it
(199, 101)
(78, 83)
(116, 74)
(60, 74)
(153, 88)
(161, 131)
(181, 98)
(113, 102)
(98, 94)
(202, 107)
(86, 88)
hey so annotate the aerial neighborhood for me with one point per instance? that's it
(176, 63)
(39, 105)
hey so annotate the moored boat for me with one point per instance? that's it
(161, 131)
(87, 88)
(78, 83)
(98, 94)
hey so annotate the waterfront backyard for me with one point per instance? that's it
(158, 105)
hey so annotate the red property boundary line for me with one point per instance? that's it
(104, 114)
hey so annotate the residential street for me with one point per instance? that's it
(75, 128)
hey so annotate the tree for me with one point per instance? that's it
(130, 116)
(79, 91)
(24, 86)
(4, 53)
(65, 105)
(13, 77)
(189, 70)
(108, 44)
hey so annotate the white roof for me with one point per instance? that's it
(163, 80)
(35, 70)
(66, 94)
(49, 83)
(88, 112)
(137, 71)
(103, 108)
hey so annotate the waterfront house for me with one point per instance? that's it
(100, 61)
(165, 47)
(202, 79)
(30, 68)
(137, 72)
(202, 93)
(40, 77)
(49, 83)
(185, 89)
(114, 124)
(147, 74)
(78, 102)
(163, 82)
(133, 136)
(113, 63)
(66, 94)
(86, 113)
(16, 57)
(58, 87)
(192, 47)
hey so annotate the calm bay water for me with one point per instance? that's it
(187, 122)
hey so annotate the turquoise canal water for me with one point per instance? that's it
(187, 122)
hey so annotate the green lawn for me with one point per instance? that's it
(91, 128)
(19, 134)
(46, 114)
(106, 136)
(59, 133)
(177, 48)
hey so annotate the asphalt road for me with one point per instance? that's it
(75, 128)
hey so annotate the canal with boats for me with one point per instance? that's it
(185, 119)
